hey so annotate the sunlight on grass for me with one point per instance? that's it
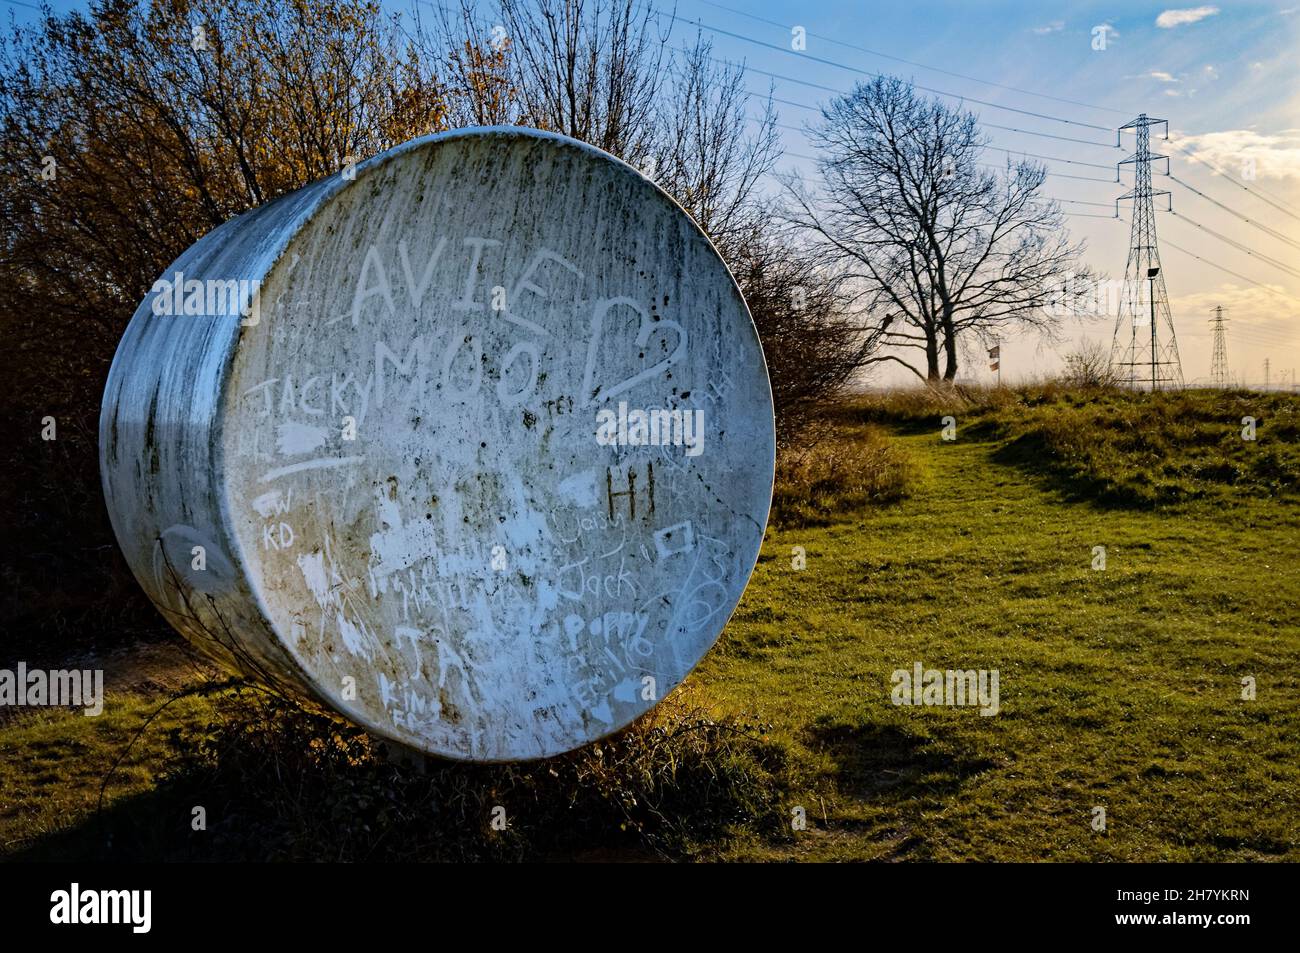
(1120, 688)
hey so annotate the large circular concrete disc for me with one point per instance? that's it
(439, 529)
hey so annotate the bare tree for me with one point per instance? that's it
(934, 247)
(591, 69)
(473, 55)
(162, 121)
(603, 71)
(813, 345)
(708, 157)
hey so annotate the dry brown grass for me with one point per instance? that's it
(842, 470)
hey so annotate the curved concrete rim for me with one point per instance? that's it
(327, 693)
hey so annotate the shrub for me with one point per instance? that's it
(284, 782)
(838, 473)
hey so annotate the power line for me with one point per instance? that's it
(1259, 336)
(1284, 343)
(1258, 189)
(864, 72)
(1239, 338)
(1258, 192)
(782, 78)
(899, 59)
(1281, 266)
(1267, 259)
(1243, 338)
(1034, 155)
(1229, 271)
(841, 92)
(1059, 175)
(1010, 152)
(1050, 198)
(987, 165)
(1142, 129)
(1048, 135)
(1231, 211)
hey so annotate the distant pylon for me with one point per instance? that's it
(1219, 363)
(1265, 373)
(1144, 351)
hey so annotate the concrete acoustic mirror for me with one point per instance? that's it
(472, 442)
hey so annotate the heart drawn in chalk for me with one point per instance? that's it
(595, 393)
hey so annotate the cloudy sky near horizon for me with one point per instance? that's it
(1225, 75)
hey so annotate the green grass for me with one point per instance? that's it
(1119, 688)
(55, 762)
(1119, 448)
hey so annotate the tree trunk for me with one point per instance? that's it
(931, 355)
(950, 349)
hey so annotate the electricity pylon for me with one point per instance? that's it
(1219, 363)
(1144, 351)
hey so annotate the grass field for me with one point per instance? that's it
(1120, 688)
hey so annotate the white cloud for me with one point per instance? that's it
(1161, 76)
(1275, 156)
(1211, 71)
(1172, 18)
(1107, 29)
(1055, 26)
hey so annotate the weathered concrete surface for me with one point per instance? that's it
(392, 464)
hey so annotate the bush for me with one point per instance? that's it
(286, 783)
(838, 473)
(1088, 366)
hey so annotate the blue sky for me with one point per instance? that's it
(1225, 75)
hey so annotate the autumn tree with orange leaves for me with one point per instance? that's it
(132, 129)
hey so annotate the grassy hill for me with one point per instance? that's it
(1120, 688)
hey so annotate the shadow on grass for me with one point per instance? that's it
(1129, 488)
(276, 782)
(884, 763)
(1029, 454)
